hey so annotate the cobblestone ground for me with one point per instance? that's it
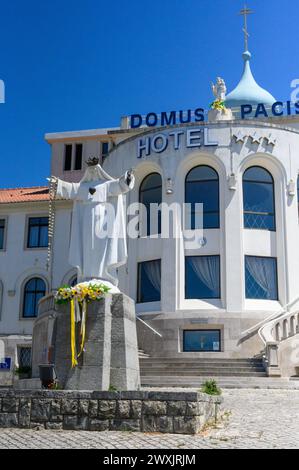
(256, 419)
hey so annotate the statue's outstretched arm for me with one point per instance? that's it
(123, 184)
(64, 189)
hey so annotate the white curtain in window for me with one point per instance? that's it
(207, 270)
(263, 271)
(153, 272)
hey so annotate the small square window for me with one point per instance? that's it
(202, 341)
(37, 232)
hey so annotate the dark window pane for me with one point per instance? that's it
(68, 157)
(258, 174)
(258, 199)
(202, 187)
(78, 156)
(105, 148)
(202, 340)
(261, 278)
(38, 232)
(202, 277)
(202, 173)
(151, 193)
(2, 230)
(34, 290)
(149, 281)
(24, 357)
(33, 237)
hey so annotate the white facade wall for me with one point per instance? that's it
(232, 314)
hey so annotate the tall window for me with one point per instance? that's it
(2, 233)
(149, 281)
(34, 290)
(202, 186)
(24, 357)
(151, 193)
(105, 150)
(258, 199)
(73, 281)
(37, 232)
(78, 156)
(261, 278)
(202, 277)
(68, 150)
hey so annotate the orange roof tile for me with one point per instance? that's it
(35, 194)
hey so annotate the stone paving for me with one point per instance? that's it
(255, 419)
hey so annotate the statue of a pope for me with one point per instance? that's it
(96, 250)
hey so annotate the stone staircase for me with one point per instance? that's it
(187, 372)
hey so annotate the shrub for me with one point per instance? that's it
(210, 387)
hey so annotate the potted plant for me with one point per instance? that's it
(23, 372)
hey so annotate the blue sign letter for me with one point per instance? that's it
(138, 118)
(245, 109)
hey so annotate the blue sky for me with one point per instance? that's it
(70, 64)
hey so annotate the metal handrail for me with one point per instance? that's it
(150, 327)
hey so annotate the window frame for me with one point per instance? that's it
(27, 227)
(203, 330)
(220, 286)
(105, 155)
(23, 292)
(73, 146)
(148, 234)
(205, 181)
(76, 145)
(262, 213)
(276, 276)
(5, 218)
(64, 157)
(139, 266)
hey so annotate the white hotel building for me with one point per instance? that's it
(235, 295)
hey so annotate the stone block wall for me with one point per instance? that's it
(145, 411)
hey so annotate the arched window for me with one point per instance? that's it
(202, 186)
(73, 281)
(34, 290)
(258, 199)
(151, 193)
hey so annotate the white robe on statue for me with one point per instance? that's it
(95, 253)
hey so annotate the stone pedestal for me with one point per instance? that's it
(215, 115)
(111, 353)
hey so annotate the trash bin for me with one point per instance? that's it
(47, 374)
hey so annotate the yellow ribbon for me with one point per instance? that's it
(73, 335)
(83, 326)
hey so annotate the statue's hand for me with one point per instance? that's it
(52, 179)
(129, 176)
